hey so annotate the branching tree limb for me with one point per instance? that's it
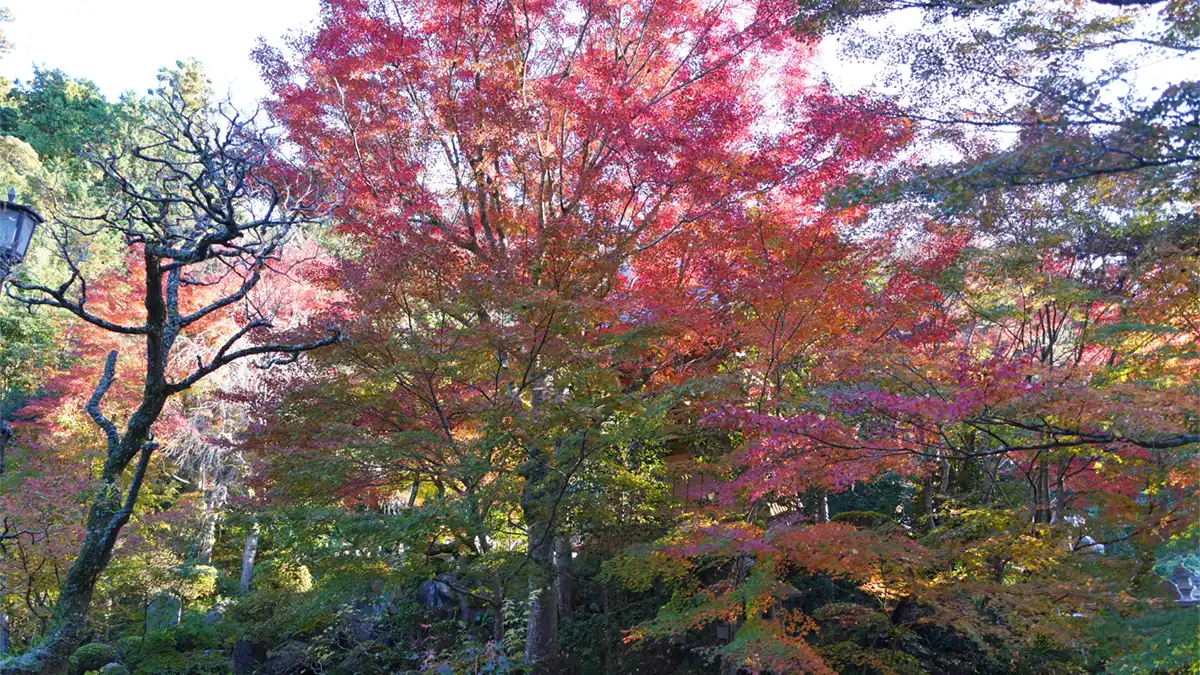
(93, 405)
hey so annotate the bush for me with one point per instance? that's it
(195, 633)
(284, 576)
(158, 642)
(93, 656)
(194, 647)
(199, 582)
(184, 663)
(865, 519)
(472, 657)
(849, 656)
(129, 647)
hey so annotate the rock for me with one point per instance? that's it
(246, 657)
(361, 620)
(114, 669)
(434, 594)
(359, 623)
(163, 612)
(357, 663)
(290, 659)
(216, 613)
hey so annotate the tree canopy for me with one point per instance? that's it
(621, 336)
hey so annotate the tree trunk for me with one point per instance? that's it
(927, 488)
(541, 642)
(991, 466)
(208, 535)
(6, 435)
(538, 498)
(498, 615)
(105, 519)
(1041, 494)
(1058, 501)
(248, 557)
(564, 584)
(3, 628)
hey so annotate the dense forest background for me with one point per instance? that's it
(615, 336)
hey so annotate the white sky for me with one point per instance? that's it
(121, 44)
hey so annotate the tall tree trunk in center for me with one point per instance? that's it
(537, 502)
(208, 537)
(563, 583)
(208, 527)
(1041, 493)
(248, 553)
(542, 638)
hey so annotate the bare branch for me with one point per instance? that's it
(224, 357)
(247, 284)
(56, 297)
(93, 404)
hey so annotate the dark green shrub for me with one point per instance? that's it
(158, 642)
(129, 647)
(184, 663)
(866, 519)
(92, 656)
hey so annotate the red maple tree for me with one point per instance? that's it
(558, 208)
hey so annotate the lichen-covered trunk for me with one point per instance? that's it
(498, 611)
(68, 626)
(927, 494)
(564, 584)
(248, 552)
(541, 642)
(208, 536)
